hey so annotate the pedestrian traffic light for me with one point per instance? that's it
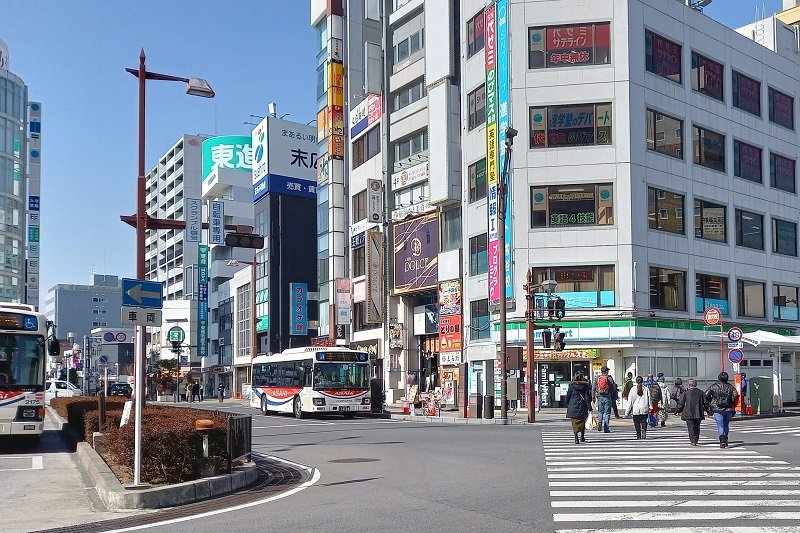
(551, 308)
(244, 240)
(560, 308)
(559, 343)
(176, 347)
(547, 336)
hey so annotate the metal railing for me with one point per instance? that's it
(240, 433)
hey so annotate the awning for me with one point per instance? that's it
(767, 339)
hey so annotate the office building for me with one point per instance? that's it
(80, 308)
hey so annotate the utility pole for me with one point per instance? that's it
(502, 192)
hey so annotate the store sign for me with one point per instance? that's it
(374, 201)
(395, 337)
(228, 151)
(410, 176)
(371, 347)
(490, 58)
(202, 301)
(365, 114)
(450, 358)
(284, 158)
(375, 277)
(194, 219)
(343, 301)
(416, 254)
(414, 209)
(502, 119)
(216, 224)
(298, 311)
(450, 316)
(549, 355)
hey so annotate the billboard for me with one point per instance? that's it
(416, 254)
(202, 301)
(365, 115)
(450, 316)
(34, 198)
(343, 302)
(298, 310)
(490, 30)
(227, 151)
(503, 107)
(284, 158)
(374, 260)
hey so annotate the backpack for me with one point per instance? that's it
(655, 392)
(602, 384)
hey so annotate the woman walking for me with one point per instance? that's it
(579, 397)
(678, 390)
(639, 407)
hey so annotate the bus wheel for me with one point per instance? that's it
(264, 408)
(298, 408)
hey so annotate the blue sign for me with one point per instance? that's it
(103, 359)
(735, 356)
(141, 293)
(30, 323)
(202, 300)
(33, 203)
(298, 312)
(502, 119)
(277, 184)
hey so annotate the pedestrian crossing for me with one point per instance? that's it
(615, 483)
(768, 429)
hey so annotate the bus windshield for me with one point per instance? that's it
(21, 359)
(341, 376)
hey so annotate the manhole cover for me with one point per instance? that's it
(354, 460)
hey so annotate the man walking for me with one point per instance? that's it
(721, 398)
(221, 392)
(603, 392)
(691, 406)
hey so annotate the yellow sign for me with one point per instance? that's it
(545, 355)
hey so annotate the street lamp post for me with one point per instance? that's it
(502, 192)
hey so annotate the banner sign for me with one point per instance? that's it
(299, 309)
(375, 277)
(503, 107)
(194, 219)
(216, 222)
(202, 301)
(416, 254)
(450, 316)
(343, 301)
(491, 149)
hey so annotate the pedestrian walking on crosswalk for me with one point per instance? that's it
(721, 398)
(639, 407)
(579, 403)
(691, 406)
(663, 407)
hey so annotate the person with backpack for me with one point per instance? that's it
(721, 399)
(603, 393)
(579, 403)
(663, 408)
(678, 390)
(639, 407)
(691, 406)
(655, 394)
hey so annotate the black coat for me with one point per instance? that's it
(721, 397)
(692, 404)
(579, 396)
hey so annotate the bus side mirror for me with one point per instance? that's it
(53, 347)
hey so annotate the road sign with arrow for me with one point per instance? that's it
(141, 293)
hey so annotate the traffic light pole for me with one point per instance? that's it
(530, 329)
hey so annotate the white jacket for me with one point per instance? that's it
(638, 405)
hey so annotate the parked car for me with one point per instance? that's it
(120, 389)
(59, 389)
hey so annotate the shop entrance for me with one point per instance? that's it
(554, 378)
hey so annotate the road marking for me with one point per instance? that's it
(710, 504)
(303, 424)
(663, 461)
(655, 517)
(37, 462)
(712, 529)
(704, 492)
(679, 483)
(671, 474)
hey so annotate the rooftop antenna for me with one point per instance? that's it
(273, 109)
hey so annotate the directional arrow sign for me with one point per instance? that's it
(141, 293)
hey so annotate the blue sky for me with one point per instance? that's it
(72, 55)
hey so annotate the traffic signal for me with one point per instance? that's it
(176, 347)
(560, 308)
(547, 336)
(244, 240)
(551, 308)
(559, 343)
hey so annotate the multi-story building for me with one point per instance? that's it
(80, 308)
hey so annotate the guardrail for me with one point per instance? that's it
(240, 437)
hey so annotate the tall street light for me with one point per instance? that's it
(502, 192)
(253, 318)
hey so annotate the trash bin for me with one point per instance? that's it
(475, 406)
(761, 394)
(488, 406)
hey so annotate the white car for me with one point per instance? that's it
(59, 389)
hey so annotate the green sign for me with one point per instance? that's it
(261, 296)
(228, 151)
(176, 334)
(263, 323)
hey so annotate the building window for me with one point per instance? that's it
(572, 205)
(749, 229)
(746, 93)
(367, 146)
(409, 94)
(665, 210)
(707, 76)
(784, 303)
(667, 289)
(570, 125)
(784, 237)
(360, 317)
(709, 148)
(451, 229)
(477, 180)
(360, 206)
(359, 261)
(664, 134)
(476, 103)
(475, 34)
(751, 298)
(480, 323)
(711, 291)
(411, 145)
(582, 286)
(408, 46)
(782, 172)
(569, 46)
(747, 161)
(709, 221)
(243, 309)
(478, 254)
(781, 108)
(662, 56)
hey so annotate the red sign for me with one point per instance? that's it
(449, 333)
(712, 316)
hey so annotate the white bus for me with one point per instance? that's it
(312, 380)
(24, 334)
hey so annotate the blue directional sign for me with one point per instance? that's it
(141, 293)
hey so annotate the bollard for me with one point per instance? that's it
(203, 426)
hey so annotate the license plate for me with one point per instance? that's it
(344, 408)
(28, 427)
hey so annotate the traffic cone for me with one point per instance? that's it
(405, 408)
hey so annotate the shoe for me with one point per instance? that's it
(663, 424)
(638, 437)
(583, 437)
(722, 441)
(694, 443)
(606, 431)
(617, 416)
(576, 438)
(644, 434)
(599, 427)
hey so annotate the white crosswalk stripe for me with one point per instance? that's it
(768, 429)
(615, 483)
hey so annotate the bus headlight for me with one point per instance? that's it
(319, 401)
(364, 401)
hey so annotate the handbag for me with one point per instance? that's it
(651, 420)
(594, 419)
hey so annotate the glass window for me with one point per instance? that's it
(477, 180)
(478, 255)
(685, 367)
(664, 134)
(570, 45)
(572, 205)
(747, 161)
(707, 76)
(408, 95)
(782, 172)
(367, 146)
(746, 93)
(665, 210)
(708, 148)
(359, 261)
(781, 108)
(582, 286)
(784, 237)
(476, 102)
(411, 145)
(451, 229)
(480, 320)
(667, 289)
(709, 221)
(570, 125)
(475, 34)
(322, 86)
(711, 291)
(751, 298)
(784, 303)
(360, 206)
(749, 229)
(662, 56)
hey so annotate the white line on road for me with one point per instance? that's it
(705, 491)
(37, 462)
(656, 517)
(710, 504)
(682, 483)
(658, 468)
(662, 475)
(331, 424)
(663, 461)
(712, 529)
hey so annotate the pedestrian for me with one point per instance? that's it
(201, 391)
(678, 390)
(744, 392)
(626, 389)
(221, 392)
(614, 400)
(691, 406)
(663, 407)
(189, 391)
(639, 407)
(602, 393)
(655, 394)
(196, 391)
(721, 398)
(579, 403)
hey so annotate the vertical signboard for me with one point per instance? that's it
(374, 259)
(298, 312)
(202, 300)
(194, 219)
(450, 316)
(216, 224)
(503, 109)
(34, 199)
(374, 201)
(491, 149)
(344, 301)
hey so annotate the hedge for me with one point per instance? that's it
(75, 409)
